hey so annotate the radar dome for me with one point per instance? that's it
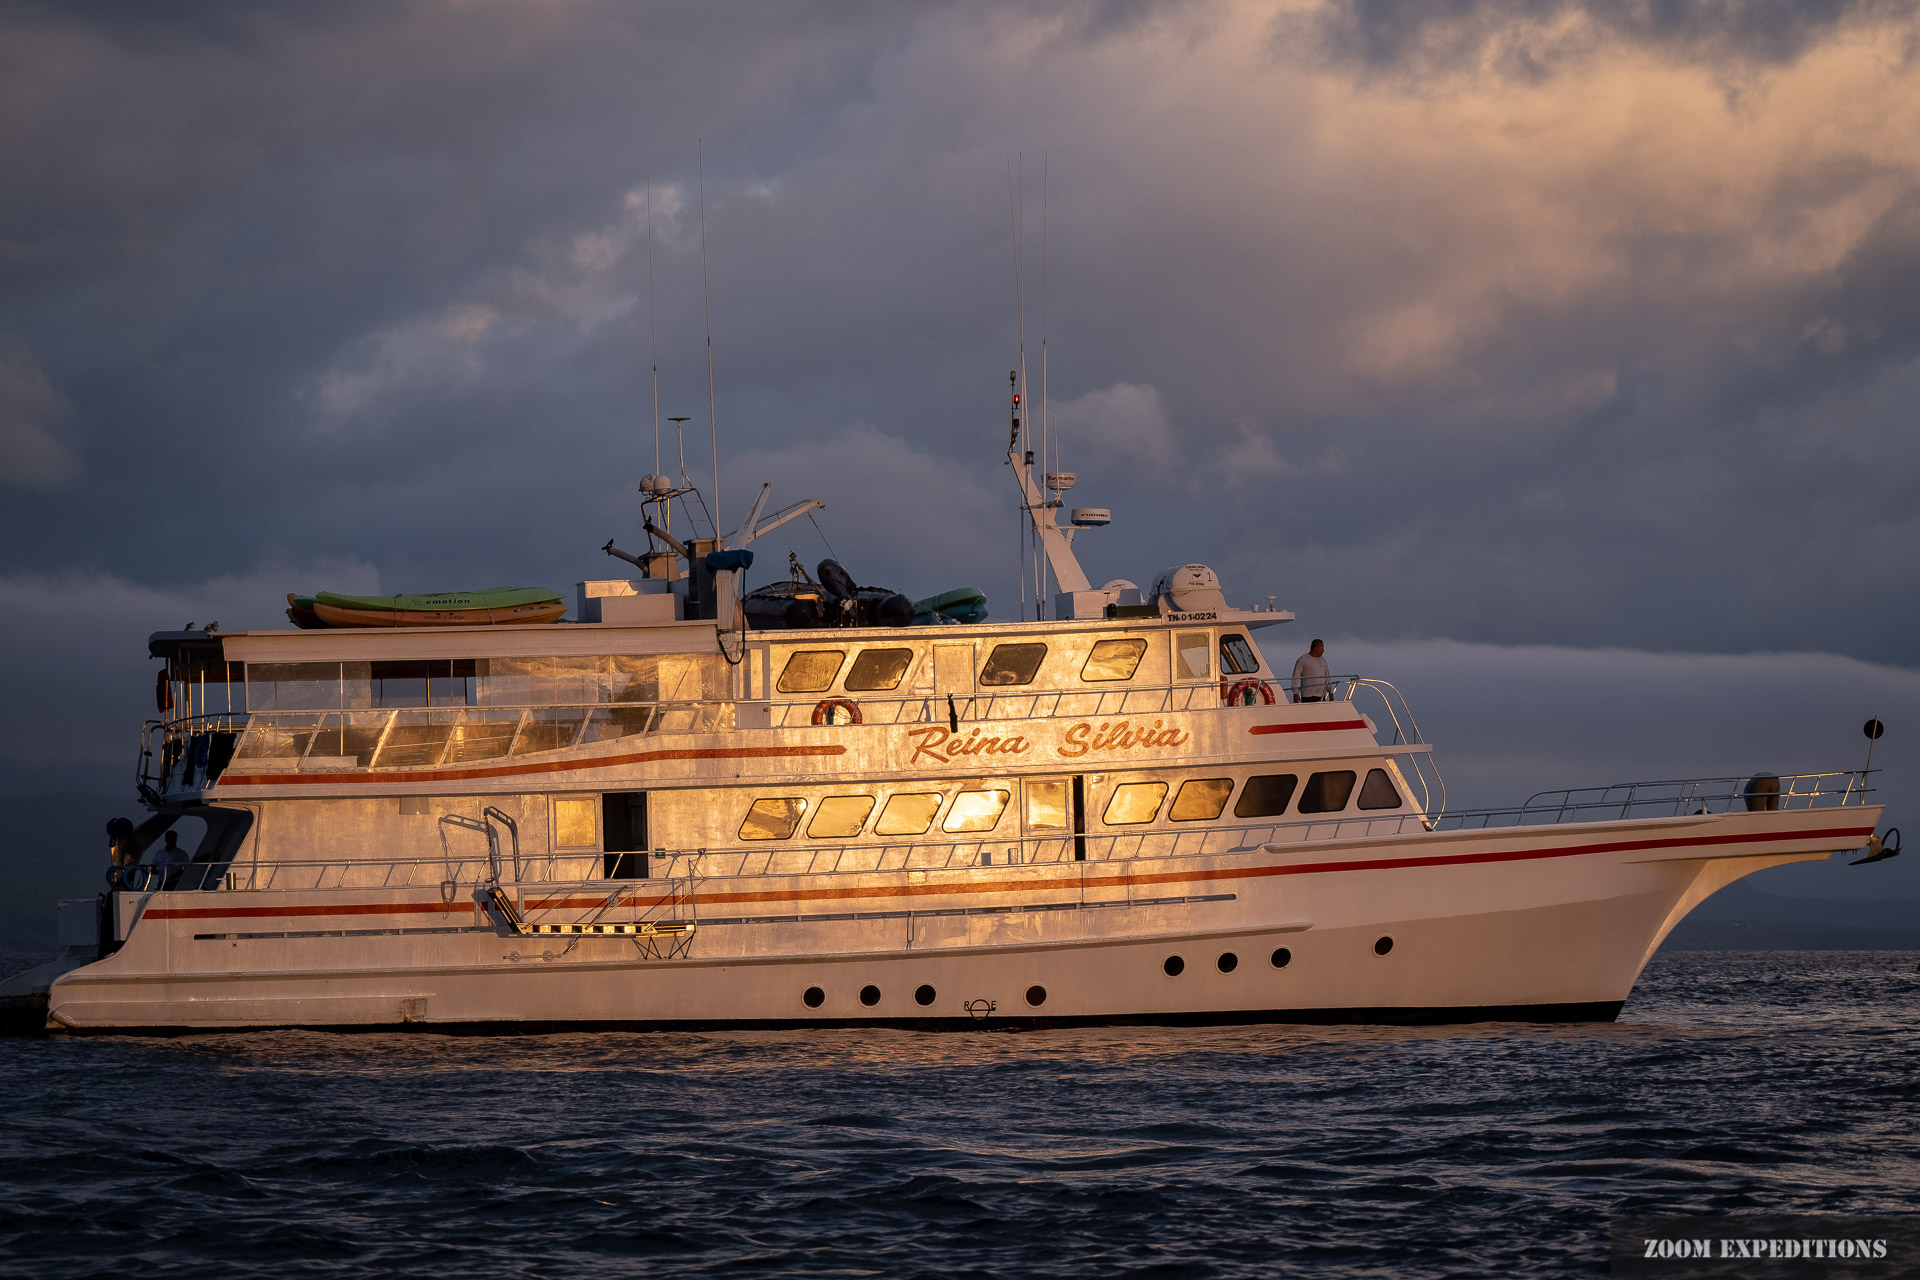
(1190, 588)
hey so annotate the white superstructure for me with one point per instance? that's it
(661, 818)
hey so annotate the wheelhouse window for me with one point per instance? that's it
(1327, 792)
(1237, 656)
(773, 819)
(1012, 664)
(573, 821)
(908, 814)
(1266, 795)
(811, 670)
(840, 817)
(1201, 799)
(976, 811)
(1133, 803)
(1113, 660)
(1190, 655)
(1378, 791)
(878, 669)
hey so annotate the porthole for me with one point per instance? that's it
(1036, 996)
(814, 998)
(1282, 958)
(869, 996)
(1174, 966)
(923, 995)
(1383, 946)
(1228, 962)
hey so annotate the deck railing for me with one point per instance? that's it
(457, 872)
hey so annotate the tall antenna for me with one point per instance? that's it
(1016, 180)
(706, 300)
(653, 333)
(1046, 427)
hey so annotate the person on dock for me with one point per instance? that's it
(1310, 681)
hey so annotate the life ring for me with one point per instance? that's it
(162, 691)
(135, 877)
(1230, 694)
(826, 707)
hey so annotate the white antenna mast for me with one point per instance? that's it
(653, 333)
(1046, 427)
(706, 301)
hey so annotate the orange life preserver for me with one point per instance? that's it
(827, 705)
(1230, 694)
(162, 691)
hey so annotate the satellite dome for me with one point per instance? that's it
(1190, 588)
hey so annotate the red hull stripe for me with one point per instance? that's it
(1311, 726)
(512, 770)
(1029, 886)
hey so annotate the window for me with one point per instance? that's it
(1047, 805)
(623, 834)
(772, 819)
(840, 817)
(1378, 791)
(811, 670)
(1237, 656)
(908, 814)
(976, 811)
(1266, 795)
(1134, 802)
(1012, 664)
(878, 669)
(1327, 792)
(1201, 799)
(1190, 655)
(573, 822)
(1113, 660)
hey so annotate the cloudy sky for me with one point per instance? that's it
(1495, 329)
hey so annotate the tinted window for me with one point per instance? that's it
(975, 811)
(772, 819)
(1327, 792)
(811, 670)
(1012, 664)
(1190, 655)
(1201, 799)
(877, 669)
(1047, 805)
(1134, 802)
(1266, 795)
(907, 814)
(840, 817)
(573, 822)
(1378, 792)
(1113, 660)
(1236, 655)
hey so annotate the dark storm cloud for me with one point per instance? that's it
(1610, 344)
(1527, 37)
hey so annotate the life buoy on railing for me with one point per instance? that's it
(135, 877)
(1232, 694)
(162, 691)
(823, 713)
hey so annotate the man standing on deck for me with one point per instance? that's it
(1310, 677)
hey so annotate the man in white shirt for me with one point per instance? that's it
(1310, 676)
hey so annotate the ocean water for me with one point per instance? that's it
(1734, 1082)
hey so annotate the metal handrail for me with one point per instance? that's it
(793, 858)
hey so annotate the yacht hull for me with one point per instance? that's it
(1534, 923)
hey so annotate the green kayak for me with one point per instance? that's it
(443, 601)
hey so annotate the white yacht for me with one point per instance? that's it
(860, 810)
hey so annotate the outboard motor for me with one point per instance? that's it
(838, 590)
